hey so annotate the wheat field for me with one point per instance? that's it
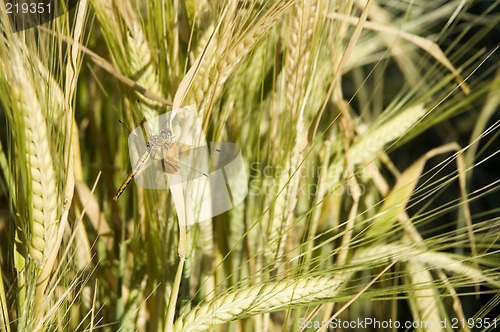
(368, 131)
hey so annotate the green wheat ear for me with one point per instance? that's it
(249, 301)
(37, 205)
(369, 146)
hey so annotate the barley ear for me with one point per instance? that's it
(37, 198)
(253, 300)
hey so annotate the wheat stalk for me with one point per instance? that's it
(40, 229)
(257, 299)
(140, 59)
(137, 60)
(111, 25)
(424, 297)
(213, 79)
(369, 146)
(304, 18)
(273, 296)
(430, 258)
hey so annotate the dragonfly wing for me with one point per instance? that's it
(187, 172)
(202, 158)
(186, 162)
(195, 160)
(139, 144)
(170, 165)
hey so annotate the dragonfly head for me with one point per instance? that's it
(167, 135)
(164, 139)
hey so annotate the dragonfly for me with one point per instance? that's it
(176, 158)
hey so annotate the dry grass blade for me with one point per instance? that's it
(456, 265)
(424, 299)
(397, 200)
(111, 69)
(424, 43)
